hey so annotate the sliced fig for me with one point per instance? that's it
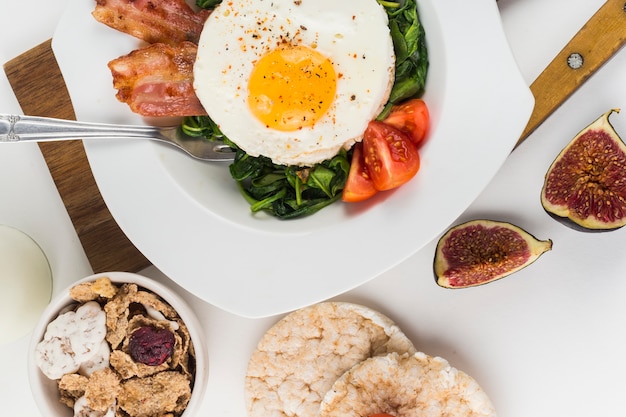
(481, 251)
(586, 184)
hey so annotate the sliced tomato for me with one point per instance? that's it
(359, 185)
(411, 117)
(390, 156)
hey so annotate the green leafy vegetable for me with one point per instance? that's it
(286, 192)
(207, 4)
(204, 126)
(409, 42)
(289, 192)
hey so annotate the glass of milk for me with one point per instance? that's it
(25, 283)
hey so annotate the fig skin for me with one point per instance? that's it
(481, 251)
(585, 186)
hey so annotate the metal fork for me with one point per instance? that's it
(17, 128)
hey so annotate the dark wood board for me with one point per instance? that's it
(40, 89)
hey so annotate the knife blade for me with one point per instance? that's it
(592, 46)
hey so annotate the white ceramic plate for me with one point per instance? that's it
(188, 218)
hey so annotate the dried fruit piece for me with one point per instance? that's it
(151, 346)
(586, 183)
(481, 251)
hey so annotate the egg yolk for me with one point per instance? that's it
(291, 87)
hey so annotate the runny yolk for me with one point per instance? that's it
(291, 87)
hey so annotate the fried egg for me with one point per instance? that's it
(294, 80)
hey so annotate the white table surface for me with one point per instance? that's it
(547, 341)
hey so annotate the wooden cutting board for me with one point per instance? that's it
(40, 89)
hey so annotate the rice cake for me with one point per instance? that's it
(406, 385)
(299, 358)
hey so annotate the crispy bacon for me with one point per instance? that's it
(163, 21)
(157, 80)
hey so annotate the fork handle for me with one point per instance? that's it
(17, 128)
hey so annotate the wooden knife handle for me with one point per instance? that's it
(597, 41)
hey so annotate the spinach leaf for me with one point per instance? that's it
(202, 126)
(409, 42)
(286, 192)
(289, 192)
(207, 4)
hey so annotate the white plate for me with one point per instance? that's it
(188, 218)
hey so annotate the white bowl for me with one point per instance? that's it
(45, 391)
(261, 266)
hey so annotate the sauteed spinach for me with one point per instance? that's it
(289, 192)
(409, 43)
(286, 192)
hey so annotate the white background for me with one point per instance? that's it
(546, 341)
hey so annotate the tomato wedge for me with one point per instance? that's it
(390, 156)
(411, 117)
(359, 185)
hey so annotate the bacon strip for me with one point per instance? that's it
(157, 80)
(163, 21)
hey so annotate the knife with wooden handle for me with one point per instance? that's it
(597, 41)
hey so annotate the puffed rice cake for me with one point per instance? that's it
(299, 358)
(406, 385)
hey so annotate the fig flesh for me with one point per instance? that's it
(482, 251)
(586, 184)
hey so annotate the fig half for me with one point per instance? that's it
(482, 251)
(586, 184)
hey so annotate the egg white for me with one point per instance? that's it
(353, 34)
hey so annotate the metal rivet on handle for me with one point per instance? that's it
(575, 60)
